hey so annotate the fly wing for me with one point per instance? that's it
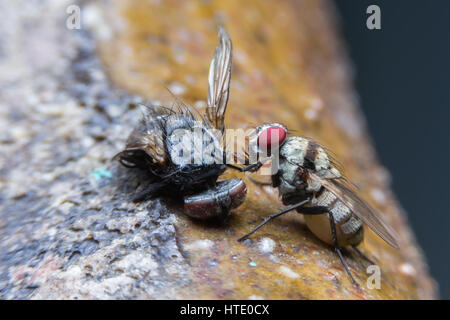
(150, 142)
(149, 135)
(359, 207)
(219, 81)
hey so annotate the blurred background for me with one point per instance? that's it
(402, 78)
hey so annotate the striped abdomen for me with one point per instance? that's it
(348, 226)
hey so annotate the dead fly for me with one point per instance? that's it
(308, 181)
(160, 144)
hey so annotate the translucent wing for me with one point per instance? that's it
(151, 143)
(219, 81)
(148, 136)
(359, 207)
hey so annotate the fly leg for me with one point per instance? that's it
(362, 255)
(313, 210)
(338, 249)
(148, 191)
(260, 183)
(273, 216)
(251, 167)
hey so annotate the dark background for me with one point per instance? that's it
(403, 80)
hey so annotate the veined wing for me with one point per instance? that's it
(149, 134)
(219, 81)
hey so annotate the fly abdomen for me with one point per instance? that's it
(340, 211)
(348, 226)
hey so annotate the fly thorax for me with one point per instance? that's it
(191, 143)
(291, 165)
(207, 146)
(291, 177)
(176, 122)
(294, 150)
(321, 161)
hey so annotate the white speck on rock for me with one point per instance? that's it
(177, 88)
(200, 244)
(200, 104)
(274, 258)
(378, 195)
(407, 269)
(255, 297)
(114, 111)
(73, 272)
(137, 264)
(321, 263)
(288, 272)
(94, 19)
(311, 114)
(266, 245)
(317, 103)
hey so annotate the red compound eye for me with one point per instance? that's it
(271, 137)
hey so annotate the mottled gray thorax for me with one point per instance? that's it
(297, 156)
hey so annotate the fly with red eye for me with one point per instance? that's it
(271, 137)
(263, 141)
(309, 182)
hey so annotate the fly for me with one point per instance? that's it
(310, 183)
(162, 145)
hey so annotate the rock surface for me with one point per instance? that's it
(68, 101)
